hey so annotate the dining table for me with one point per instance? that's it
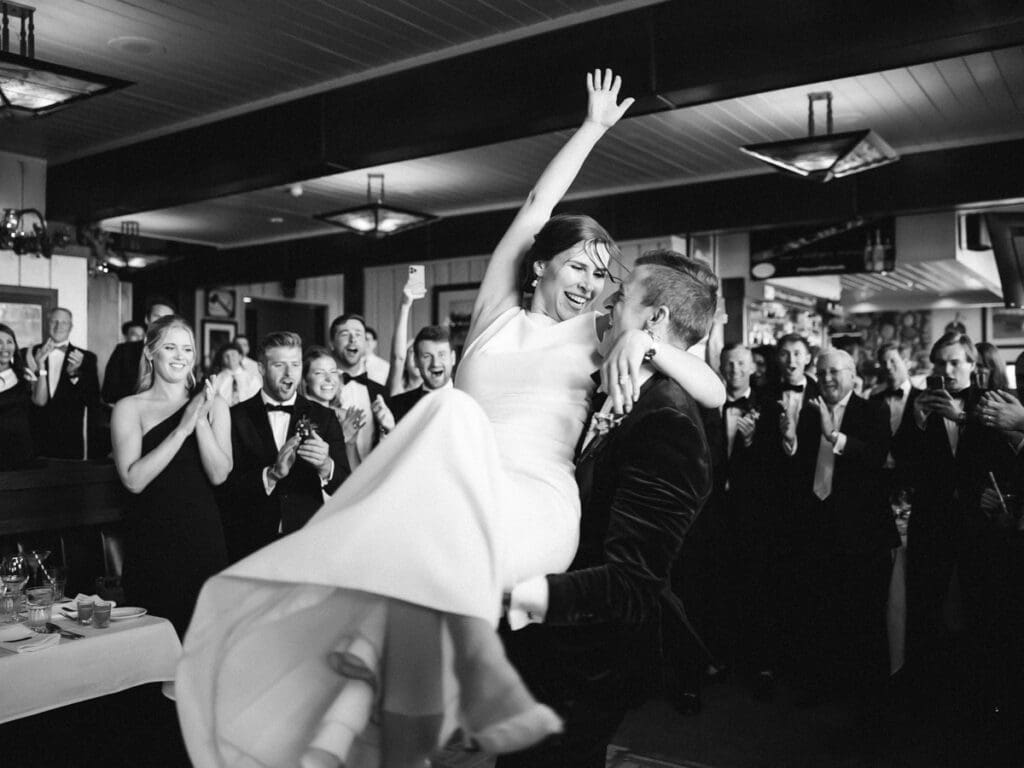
(103, 661)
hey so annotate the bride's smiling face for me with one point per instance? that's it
(174, 356)
(570, 282)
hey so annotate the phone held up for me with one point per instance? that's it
(935, 383)
(417, 282)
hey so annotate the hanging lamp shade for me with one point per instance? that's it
(375, 218)
(32, 87)
(826, 157)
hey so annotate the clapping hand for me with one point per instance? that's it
(198, 409)
(603, 93)
(745, 425)
(43, 352)
(286, 458)
(75, 358)
(352, 421)
(315, 451)
(382, 414)
(828, 421)
(1002, 411)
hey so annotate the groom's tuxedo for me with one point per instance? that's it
(642, 484)
(252, 518)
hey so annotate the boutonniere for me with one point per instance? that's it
(605, 422)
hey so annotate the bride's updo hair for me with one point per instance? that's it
(560, 233)
(154, 338)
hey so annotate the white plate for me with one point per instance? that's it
(11, 632)
(127, 612)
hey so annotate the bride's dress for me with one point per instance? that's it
(473, 491)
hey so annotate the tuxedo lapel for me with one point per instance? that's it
(260, 422)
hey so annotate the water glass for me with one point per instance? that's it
(101, 614)
(58, 576)
(85, 611)
(40, 602)
(9, 600)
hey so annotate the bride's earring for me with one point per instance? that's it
(533, 283)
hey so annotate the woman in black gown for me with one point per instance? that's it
(170, 449)
(16, 395)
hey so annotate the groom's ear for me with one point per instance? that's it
(659, 320)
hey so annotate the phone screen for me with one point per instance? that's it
(935, 383)
(416, 283)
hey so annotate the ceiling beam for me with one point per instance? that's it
(928, 181)
(672, 55)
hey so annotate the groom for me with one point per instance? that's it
(642, 484)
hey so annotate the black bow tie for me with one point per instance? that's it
(62, 347)
(792, 387)
(740, 403)
(894, 393)
(362, 378)
(961, 395)
(596, 377)
(278, 407)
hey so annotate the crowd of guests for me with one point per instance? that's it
(789, 567)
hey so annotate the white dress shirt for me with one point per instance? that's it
(54, 365)
(279, 421)
(732, 417)
(356, 395)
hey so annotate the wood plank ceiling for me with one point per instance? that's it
(959, 101)
(196, 61)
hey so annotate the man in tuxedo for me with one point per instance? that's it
(280, 476)
(944, 452)
(895, 394)
(72, 387)
(435, 359)
(642, 483)
(845, 530)
(358, 390)
(121, 375)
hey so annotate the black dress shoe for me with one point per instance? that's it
(764, 686)
(687, 703)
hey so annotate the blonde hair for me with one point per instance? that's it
(155, 334)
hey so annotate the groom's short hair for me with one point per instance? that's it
(279, 339)
(686, 286)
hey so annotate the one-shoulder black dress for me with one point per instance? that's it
(174, 540)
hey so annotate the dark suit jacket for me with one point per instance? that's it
(641, 485)
(57, 426)
(121, 375)
(251, 516)
(857, 518)
(403, 403)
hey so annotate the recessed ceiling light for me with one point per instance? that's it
(137, 46)
(276, 220)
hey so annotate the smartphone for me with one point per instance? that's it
(935, 383)
(417, 282)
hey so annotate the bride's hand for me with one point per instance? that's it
(603, 93)
(620, 372)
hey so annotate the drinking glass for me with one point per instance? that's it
(13, 576)
(57, 578)
(40, 602)
(101, 614)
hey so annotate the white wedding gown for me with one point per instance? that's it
(339, 637)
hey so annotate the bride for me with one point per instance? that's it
(367, 637)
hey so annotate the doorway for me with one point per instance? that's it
(263, 316)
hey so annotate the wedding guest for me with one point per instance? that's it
(321, 383)
(171, 446)
(991, 368)
(404, 376)
(121, 375)
(133, 330)
(18, 391)
(280, 474)
(845, 535)
(72, 391)
(377, 368)
(230, 380)
(435, 359)
(348, 340)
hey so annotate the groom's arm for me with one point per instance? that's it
(664, 480)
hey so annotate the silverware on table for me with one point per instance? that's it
(63, 632)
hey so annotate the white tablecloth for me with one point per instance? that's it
(125, 654)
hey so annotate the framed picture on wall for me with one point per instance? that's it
(1004, 327)
(453, 308)
(216, 333)
(24, 311)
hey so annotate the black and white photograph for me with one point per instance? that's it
(511, 384)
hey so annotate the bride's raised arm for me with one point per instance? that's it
(499, 289)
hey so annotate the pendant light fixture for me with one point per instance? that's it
(375, 218)
(31, 87)
(827, 157)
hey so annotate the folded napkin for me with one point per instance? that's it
(14, 632)
(39, 643)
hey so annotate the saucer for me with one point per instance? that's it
(127, 612)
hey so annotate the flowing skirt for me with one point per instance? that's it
(368, 636)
